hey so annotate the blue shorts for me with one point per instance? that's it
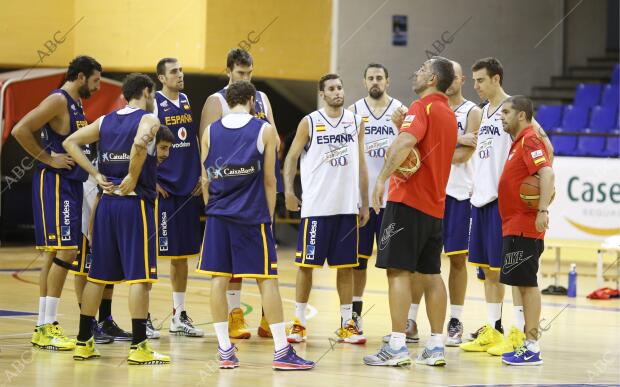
(328, 238)
(124, 241)
(179, 226)
(232, 249)
(485, 241)
(369, 234)
(456, 223)
(57, 210)
(83, 260)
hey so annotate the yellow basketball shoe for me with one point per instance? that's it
(36, 336)
(85, 350)
(263, 329)
(52, 338)
(143, 354)
(237, 326)
(515, 339)
(297, 333)
(487, 338)
(350, 334)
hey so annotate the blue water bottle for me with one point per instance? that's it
(572, 281)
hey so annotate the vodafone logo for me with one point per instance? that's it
(182, 133)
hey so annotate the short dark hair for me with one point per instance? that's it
(239, 93)
(161, 65)
(238, 56)
(375, 66)
(444, 70)
(134, 84)
(82, 64)
(492, 65)
(521, 103)
(164, 134)
(326, 78)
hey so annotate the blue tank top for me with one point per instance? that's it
(52, 141)
(234, 168)
(261, 113)
(116, 137)
(179, 173)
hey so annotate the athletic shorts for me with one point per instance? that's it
(83, 259)
(456, 223)
(369, 234)
(124, 241)
(91, 189)
(410, 240)
(485, 240)
(238, 250)
(520, 260)
(57, 210)
(328, 238)
(179, 226)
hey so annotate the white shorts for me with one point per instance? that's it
(90, 195)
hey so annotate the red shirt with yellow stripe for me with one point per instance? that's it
(527, 156)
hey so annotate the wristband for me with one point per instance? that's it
(545, 211)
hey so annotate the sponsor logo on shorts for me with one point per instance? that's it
(163, 243)
(513, 260)
(163, 239)
(388, 233)
(309, 252)
(311, 240)
(65, 230)
(89, 261)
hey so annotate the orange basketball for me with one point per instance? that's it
(530, 191)
(411, 164)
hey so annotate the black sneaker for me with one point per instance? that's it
(100, 336)
(109, 327)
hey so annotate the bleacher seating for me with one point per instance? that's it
(588, 94)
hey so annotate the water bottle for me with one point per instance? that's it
(572, 281)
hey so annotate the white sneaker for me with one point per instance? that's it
(432, 357)
(182, 325)
(411, 333)
(151, 332)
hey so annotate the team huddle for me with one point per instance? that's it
(113, 196)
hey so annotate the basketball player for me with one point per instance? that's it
(239, 66)
(57, 190)
(485, 246)
(523, 229)
(376, 110)
(164, 141)
(238, 156)
(411, 230)
(178, 188)
(330, 142)
(457, 213)
(124, 232)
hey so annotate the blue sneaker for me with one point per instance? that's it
(100, 336)
(522, 357)
(228, 359)
(389, 357)
(286, 359)
(432, 357)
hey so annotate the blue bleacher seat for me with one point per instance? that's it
(611, 96)
(615, 74)
(603, 119)
(575, 118)
(549, 116)
(563, 145)
(613, 147)
(590, 146)
(587, 94)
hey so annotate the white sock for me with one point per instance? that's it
(178, 302)
(355, 299)
(519, 317)
(495, 313)
(234, 299)
(397, 340)
(346, 312)
(413, 312)
(51, 309)
(300, 312)
(456, 311)
(435, 341)
(221, 330)
(278, 331)
(532, 345)
(41, 318)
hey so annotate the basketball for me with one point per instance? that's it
(530, 191)
(411, 164)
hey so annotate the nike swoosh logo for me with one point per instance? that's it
(508, 268)
(528, 358)
(387, 235)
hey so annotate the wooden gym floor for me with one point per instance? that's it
(581, 345)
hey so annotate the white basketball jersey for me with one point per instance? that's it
(490, 157)
(379, 133)
(461, 175)
(330, 165)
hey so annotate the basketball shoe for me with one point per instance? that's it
(53, 338)
(432, 357)
(237, 326)
(515, 339)
(99, 335)
(151, 332)
(228, 358)
(349, 334)
(36, 336)
(389, 357)
(522, 356)
(411, 333)
(455, 333)
(143, 354)
(486, 339)
(287, 359)
(297, 333)
(85, 350)
(182, 325)
(263, 329)
(109, 327)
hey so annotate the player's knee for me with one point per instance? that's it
(491, 275)
(458, 262)
(66, 255)
(178, 262)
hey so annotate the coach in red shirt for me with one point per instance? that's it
(523, 228)
(411, 230)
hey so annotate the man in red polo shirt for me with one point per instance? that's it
(523, 229)
(411, 230)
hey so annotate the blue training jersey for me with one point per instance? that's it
(117, 132)
(234, 168)
(52, 141)
(179, 173)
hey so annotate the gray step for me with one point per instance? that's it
(602, 62)
(613, 54)
(554, 92)
(574, 81)
(591, 71)
(537, 101)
